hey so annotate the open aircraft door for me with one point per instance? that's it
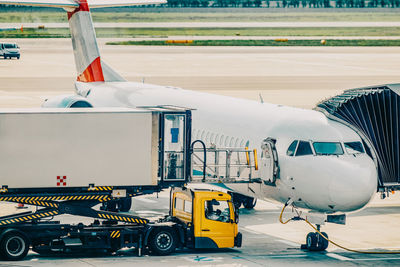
(269, 167)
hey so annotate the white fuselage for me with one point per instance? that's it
(324, 183)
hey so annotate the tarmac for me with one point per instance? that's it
(299, 76)
(266, 242)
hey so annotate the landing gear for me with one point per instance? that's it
(123, 204)
(239, 199)
(250, 203)
(315, 242)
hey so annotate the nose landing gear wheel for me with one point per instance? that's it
(315, 242)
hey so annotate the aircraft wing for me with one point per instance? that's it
(72, 3)
(116, 3)
(45, 3)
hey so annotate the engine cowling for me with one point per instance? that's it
(67, 101)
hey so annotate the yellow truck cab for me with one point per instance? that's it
(210, 217)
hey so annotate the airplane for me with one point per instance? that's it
(12, 29)
(318, 164)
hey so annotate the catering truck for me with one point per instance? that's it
(68, 161)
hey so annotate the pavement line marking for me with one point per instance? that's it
(287, 242)
(338, 257)
(376, 259)
(289, 256)
(147, 200)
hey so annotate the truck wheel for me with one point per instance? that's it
(250, 203)
(163, 241)
(14, 246)
(125, 204)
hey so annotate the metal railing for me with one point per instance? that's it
(224, 165)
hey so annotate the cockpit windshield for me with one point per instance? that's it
(328, 148)
(354, 147)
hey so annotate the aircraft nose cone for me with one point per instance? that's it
(354, 188)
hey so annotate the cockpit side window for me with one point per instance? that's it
(292, 148)
(354, 147)
(303, 149)
(328, 148)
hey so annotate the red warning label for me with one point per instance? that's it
(61, 180)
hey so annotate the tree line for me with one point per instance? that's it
(258, 3)
(286, 3)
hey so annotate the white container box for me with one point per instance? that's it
(61, 148)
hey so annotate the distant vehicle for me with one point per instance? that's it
(9, 50)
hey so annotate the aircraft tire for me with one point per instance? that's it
(311, 242)
(322, 242)
(125, 204)
(250, 203)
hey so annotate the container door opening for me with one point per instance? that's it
(174, 148)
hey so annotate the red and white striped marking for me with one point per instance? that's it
(86, 51)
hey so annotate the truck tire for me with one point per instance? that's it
(14, 246)
(125, 204)
(163, 241)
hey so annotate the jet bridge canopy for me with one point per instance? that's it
(374, 113)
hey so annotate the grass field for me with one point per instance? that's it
(267, 43)
(165, 32)
(20, 17)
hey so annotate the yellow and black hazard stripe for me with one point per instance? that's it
(100, 188)
(115, 234)
(25, 218)
(122, 218)
(44, 201)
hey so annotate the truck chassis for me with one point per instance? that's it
(20, 231)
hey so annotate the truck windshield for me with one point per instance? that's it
(10, 46)
(327, 148)
(217, 210)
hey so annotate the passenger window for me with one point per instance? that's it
(217, 210)
(354, 147)
(303, 149)
(292, 148)
(188, 206)
(178, 203)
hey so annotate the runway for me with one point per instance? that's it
(297, 76)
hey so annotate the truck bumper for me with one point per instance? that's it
(11, 55)
(238, 240)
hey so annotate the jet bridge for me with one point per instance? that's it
(373, 112)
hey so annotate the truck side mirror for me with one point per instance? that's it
(236, 216)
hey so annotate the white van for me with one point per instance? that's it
(9, 50)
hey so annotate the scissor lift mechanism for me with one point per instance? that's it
(80, 204)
